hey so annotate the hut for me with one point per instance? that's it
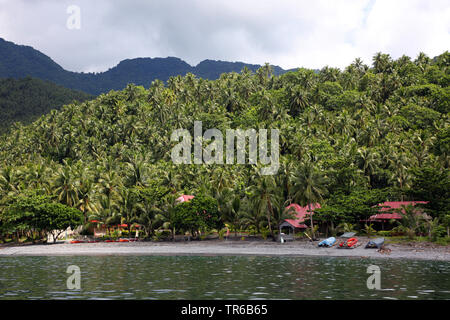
(296, 224)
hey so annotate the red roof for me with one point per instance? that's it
(390, 206)
(300, 214)
(185, 198)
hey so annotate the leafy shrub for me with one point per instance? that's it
(264, 233)
(384, 233)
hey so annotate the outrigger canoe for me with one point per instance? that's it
(375, 244)
(349, 244)
(329, 242)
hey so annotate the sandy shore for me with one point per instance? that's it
(264, 248)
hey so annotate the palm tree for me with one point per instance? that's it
(86, 193)
(412, 219)
(66, 186)
(368, 162)
(263, 191)
(230, 205)
(251, 215)
(308, 187)
(299, 100)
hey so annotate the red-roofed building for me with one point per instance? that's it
(389, 210)
(300, 214)
(184, 198)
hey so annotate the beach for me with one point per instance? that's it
(411, 250)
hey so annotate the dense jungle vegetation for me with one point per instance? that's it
(25, 100)
(349, 139)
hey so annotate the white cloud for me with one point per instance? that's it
(288, 33)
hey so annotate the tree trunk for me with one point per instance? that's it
(312, 223)
(269, 204)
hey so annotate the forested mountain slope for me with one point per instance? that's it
(355, 137)
(24, 100)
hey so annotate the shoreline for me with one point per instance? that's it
(225, 248)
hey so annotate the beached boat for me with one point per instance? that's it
(329, 242)
(349, 244)
(77, 241)
(375, 244)
(347, 235)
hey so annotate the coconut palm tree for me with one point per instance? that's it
(262, 192)
(308, 185)
(66, 186)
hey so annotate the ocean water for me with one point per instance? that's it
(220, 277)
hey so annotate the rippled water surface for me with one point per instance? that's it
(229, 277)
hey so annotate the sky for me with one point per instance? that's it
(287, 33)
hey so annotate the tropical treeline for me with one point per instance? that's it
(349, 139)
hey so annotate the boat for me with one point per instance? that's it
(375, 244)
(124, 240)
(77, 241)
(329, 242)
(349, 244)
(348, 235)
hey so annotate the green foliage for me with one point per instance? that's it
(348, 140)
(38, 213)
(419, 117)
(369, 230)
(431, 95)
(432, 185)
(199, 213)
(412, 221)
(25, 100)
(351, 208)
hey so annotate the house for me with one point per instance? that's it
(389, 210)
(297, 223)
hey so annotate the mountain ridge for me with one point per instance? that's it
(19, 61)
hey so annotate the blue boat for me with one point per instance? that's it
(327, 242)
(375, 244)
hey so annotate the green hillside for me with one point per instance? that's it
(348, 139)
(24, 100)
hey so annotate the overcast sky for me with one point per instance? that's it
(288, 33)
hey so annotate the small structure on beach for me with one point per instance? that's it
(297, 223)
